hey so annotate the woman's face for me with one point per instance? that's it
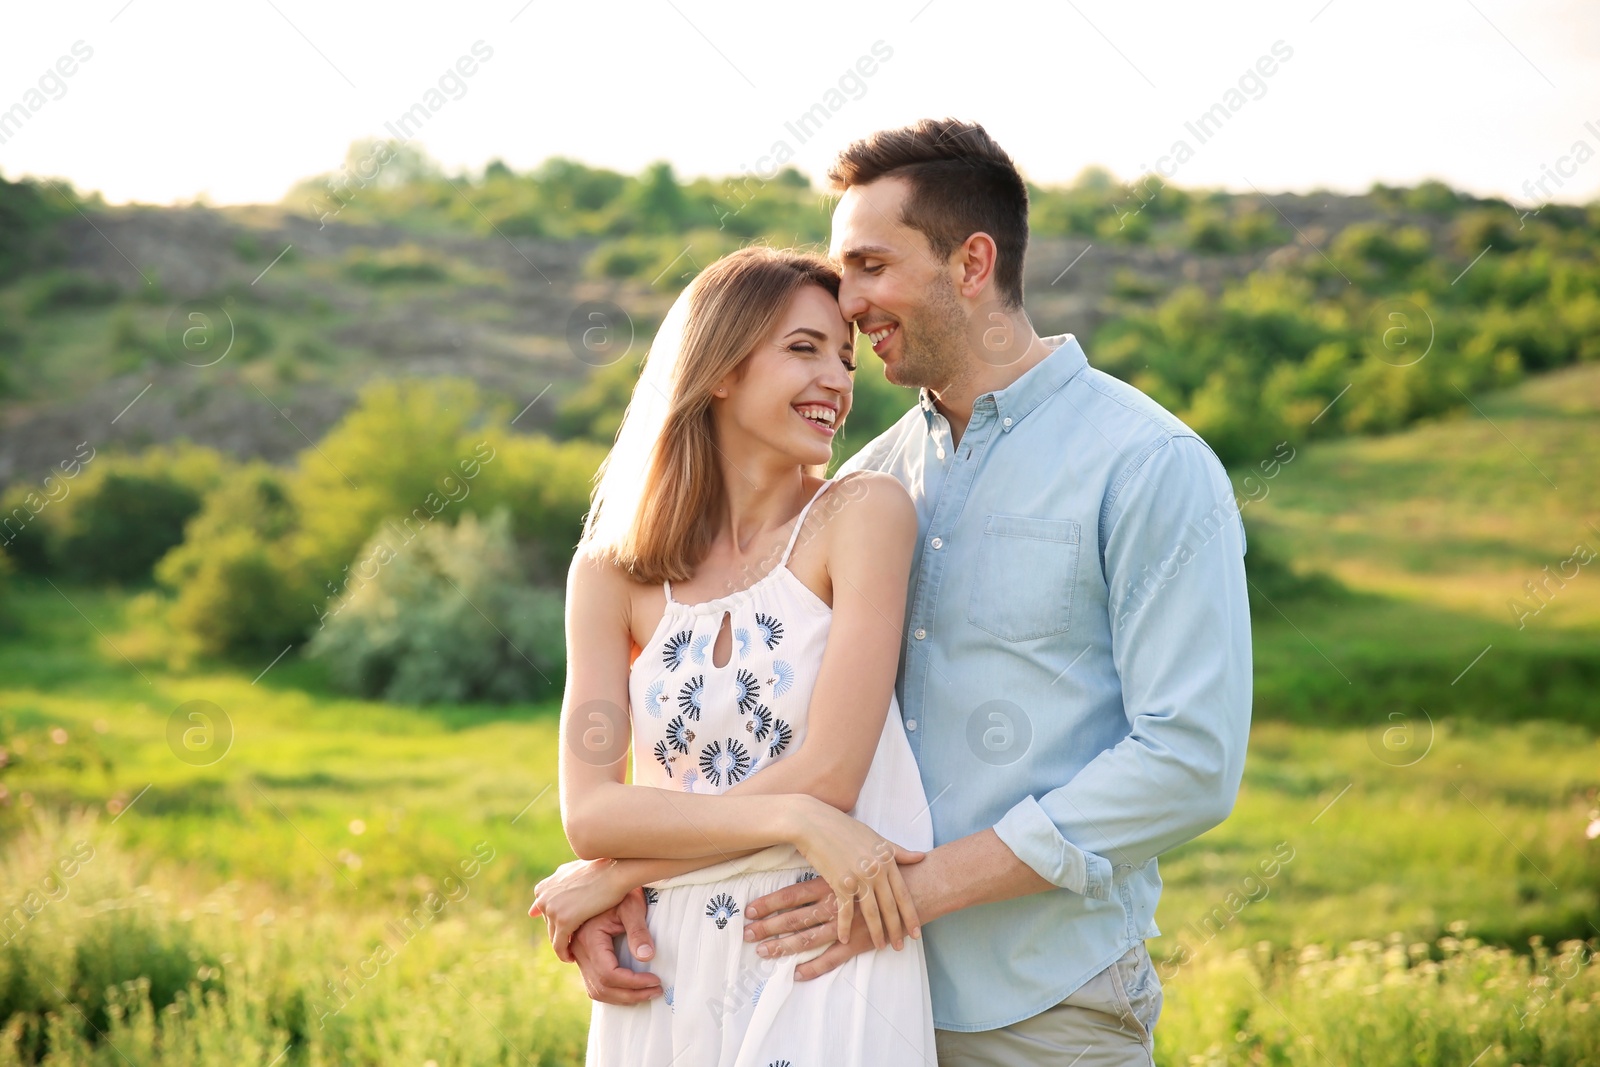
(792, 392)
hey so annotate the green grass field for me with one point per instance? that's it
(1421, 784)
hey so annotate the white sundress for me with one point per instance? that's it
(702, 728)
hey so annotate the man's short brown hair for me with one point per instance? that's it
(961, 181)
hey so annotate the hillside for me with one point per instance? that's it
(1459, 513)
(307, 332)
(1461, 555)
(482, 278)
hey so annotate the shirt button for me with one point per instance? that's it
(1006, 423)
(911, 724)
(921, 633)
(937, 542)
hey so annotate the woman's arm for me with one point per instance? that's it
(846, 716)
(601, 814)
(868, 543)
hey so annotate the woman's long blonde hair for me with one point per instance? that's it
(729, 308)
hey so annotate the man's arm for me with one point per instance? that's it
(970, 870)
(1182, 653)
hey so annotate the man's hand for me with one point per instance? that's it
(799, 917)
(574, 894)
(604, 978)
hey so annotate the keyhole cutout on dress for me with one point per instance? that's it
(722, 650)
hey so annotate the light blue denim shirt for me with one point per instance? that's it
(1077, 666)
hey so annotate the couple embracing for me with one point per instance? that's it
(907, 741)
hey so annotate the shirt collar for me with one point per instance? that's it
(1041, 380)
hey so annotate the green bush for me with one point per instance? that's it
(409, 450)
(1378, 254)
(1206, 230)
(270, 548)
(407, 262)
(667, 261)
(1131, 285)
(9, 624)
(446, 618)
(1258, 228)
(58, 290)
(237, 583)
(115, 516)
(594, 411)
(129, 346)
(545, 486)
(132, 521)
(11, 356)
(28, 224)
(1433, 197)
(252, 337)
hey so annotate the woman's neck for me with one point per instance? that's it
(756, 503)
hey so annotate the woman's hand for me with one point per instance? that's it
(574, 894)
(861, 867)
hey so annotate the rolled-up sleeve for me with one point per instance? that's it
(1180, 644)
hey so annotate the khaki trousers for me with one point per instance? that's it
(1109, 1022)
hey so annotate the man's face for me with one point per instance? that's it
(896, 289)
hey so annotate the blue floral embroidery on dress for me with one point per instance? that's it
(747, 689)
(651, 896)
(759, 722)
(805, 876)
(742, 636)
(771, 630)
(782, 677)
(755, 997)
(670, 995)
(655, 697)
(689, 696)
(689, 779)
(726, 759)
(780, 1063)
(721, 908)
(781, 736)
(679, 736)
(697, 651)
(672, 652)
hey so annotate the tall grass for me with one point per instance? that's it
(1455, 1001)
(116, 966)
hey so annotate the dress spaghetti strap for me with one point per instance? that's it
(801, 521)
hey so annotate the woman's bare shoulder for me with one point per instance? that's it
(877, 494)
(872, 504)
(596, 577)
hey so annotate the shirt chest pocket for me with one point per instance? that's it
(1026, 571)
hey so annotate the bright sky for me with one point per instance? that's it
(237, 101)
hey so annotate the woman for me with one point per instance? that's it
(733, 617)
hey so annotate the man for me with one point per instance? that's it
(1076, 676)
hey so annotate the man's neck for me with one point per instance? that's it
(955, 400)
